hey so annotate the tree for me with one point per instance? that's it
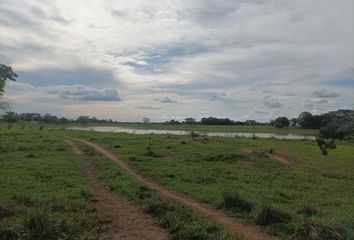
(83, 119)
(6, 73)
(307, 120)
(146, 120)
(190, 120)
(281, 122)
(10, 117)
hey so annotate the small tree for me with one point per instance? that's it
(6, 73)
(146, 120)
(190, 120)
(325, 145)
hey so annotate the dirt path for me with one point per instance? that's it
(248, 231)
(128, 221)
(282, 160)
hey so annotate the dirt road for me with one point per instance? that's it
(128, 221)
(247, 230)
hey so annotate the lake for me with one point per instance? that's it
(288, 136)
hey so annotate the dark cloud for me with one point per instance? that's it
(147, 107)
(85, 76)
(313, 103)
(83, 93)
(30, 17)
(218, 96)
(167, 100)
(271, 102)
(323, 93)
(156, 60)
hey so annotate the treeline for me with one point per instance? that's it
(335, 124)
(12, 117)
(214, 121)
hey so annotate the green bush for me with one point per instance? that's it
(318, 231)
(232, 200)
(39, 225)
(269, 215)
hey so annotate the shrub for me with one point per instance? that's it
(4, 212)
(325, 145)
(270, 215)
(30, 155)
(8, 234)
(307, 211)
(23, 199)
(317, 231)
(154, 206)
(194, 134)
(232, 200)
(149, 152)
(39, 225)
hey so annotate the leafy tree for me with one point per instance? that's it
(83, 119)
(146, 120)
(47, 118)
(216, 121)
(325, 144)
(6, 73)
(10, 117)
(307, 120)
(281, 122)
(190, 120)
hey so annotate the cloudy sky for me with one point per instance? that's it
(171, 59)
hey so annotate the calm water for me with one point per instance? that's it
(211, 134)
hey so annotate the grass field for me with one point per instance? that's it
(212, 169)
(45, 197)
(39, 179)
(43, 194)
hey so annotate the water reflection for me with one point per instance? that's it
(211, 134)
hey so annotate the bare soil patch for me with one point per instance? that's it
(247, 230)
(169, 157)
(128, 221)
(281, 159)
(245, 164)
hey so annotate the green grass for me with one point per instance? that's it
(39, 180)
(180, 222)
(42, 193)
(206, 168)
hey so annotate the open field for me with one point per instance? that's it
(243, 177)
(207, 169)
(43, 195)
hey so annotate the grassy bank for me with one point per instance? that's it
(43, 195)
(313, 191)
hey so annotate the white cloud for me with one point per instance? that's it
(191, 49)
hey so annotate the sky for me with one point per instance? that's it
(173, 59)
